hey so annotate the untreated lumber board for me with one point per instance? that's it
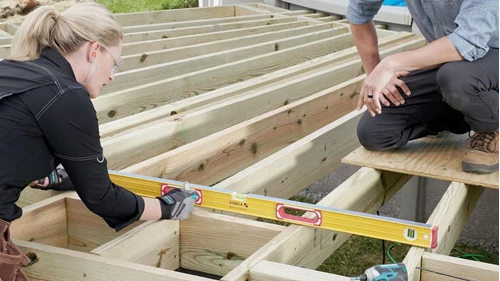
(439, 158)
(190, 23)
(463, 268)
(58, 264)
(4, 41)
(280, 76)
(296, 13)
(270, 8)
(224, 153)
(272, 271)
(244, 10)
(365, 191)
(450, 215)
(86, 230)
(162, 56)
(214, 243)
(153, 243)
(43, 222)
(176, 15)
(315, 15)
(185, 31)
(31, 195)
(161, 44)
(4, 51)
(328, 18)
(153, 139)
(128, 102)
(167, 70)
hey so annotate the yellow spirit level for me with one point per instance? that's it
(384, 228)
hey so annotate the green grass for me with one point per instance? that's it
(128, 6)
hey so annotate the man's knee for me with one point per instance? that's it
(453, 83)
(369, 137)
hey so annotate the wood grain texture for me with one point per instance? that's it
(185, 31)
(167, 43)
(272, 271)
(439, 158)
(138, 18)
(364, 191)
(153, 243)
(450, 215)
(43, 222)
(226, 152)
(30, 196)
(253, 84)
(171, 69)
(216, 244)
(163, 56)
(58, 264)
(463, 268)
(86, 230)
(120, 160)
(190, 23)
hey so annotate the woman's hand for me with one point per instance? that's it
(380, 87)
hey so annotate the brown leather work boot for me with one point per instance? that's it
(11, 257)
(481, 155)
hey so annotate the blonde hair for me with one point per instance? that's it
(66, 31)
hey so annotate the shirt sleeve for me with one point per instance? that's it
(477, 23)
(72, 132)
(362, 11)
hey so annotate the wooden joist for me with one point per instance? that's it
(462, 268)
(168, 43)
(277, 77)
(154, 243)
(179, 67)
(141, 18)
(59, 264)
(134, 100)
(145, 143)
(178, 32)
(215, 244)
(163, 56)
(190, 23)
(450, 215)
(273, 271)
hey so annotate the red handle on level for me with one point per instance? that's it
(282, 215)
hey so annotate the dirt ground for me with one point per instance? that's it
(15, 10)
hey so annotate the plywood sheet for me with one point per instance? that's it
(439, 158)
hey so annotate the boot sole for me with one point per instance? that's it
(479, 168)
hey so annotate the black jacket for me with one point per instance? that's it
(47, 118)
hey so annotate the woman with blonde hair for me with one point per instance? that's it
(58, 62)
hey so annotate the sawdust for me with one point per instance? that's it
(16, 10)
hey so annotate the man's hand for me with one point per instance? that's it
(380, 87)
(177, 204)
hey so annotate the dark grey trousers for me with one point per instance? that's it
(456, 97)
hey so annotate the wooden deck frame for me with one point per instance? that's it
(163, 135)
(242, 249)
(201, 101)
(179, 67)
(134, 100)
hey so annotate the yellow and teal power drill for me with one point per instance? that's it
(384, 272)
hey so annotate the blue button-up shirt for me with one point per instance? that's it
(470, 25)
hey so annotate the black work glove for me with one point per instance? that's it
(58, 180)
(177, 204)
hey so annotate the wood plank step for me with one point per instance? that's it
(439, 158)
